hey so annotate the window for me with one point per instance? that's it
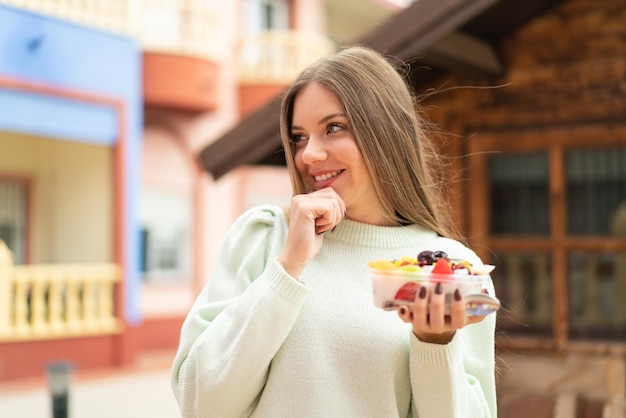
(523, 281)
(13, 215)
(165, 235)
(264, 15)
(596, 185)
(596, 207)
(550, 212)
(519, 194)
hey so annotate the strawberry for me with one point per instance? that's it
(442, 266)
(407, 291)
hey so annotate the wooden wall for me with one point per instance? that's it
(566, 67)
(565, 84)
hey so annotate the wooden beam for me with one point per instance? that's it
(424, 23)
(462, 53)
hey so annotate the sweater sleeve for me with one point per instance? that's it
(238, 322)
(456, 379)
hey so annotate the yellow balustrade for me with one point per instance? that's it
(56, 301)
(279, 56)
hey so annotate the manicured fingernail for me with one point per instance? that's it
(457, 295)
(334, 227)
(422, 293)
(438, 289)
(485, 291)
(402, 310)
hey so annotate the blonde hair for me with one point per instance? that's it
(383, 117)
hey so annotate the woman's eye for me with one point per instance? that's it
(296, 138)
(335, 127)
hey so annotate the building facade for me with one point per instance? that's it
(108, 221)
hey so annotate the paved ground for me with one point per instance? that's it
(141, 391)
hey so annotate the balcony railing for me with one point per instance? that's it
(56, 301)
(176, 26)
(194, 28)
(278, 56)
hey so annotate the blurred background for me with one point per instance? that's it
(134, 132)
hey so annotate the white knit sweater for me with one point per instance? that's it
(259, 343)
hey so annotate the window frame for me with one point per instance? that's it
(254, 18)
(26, 184)
(555, 141)
(153, 233)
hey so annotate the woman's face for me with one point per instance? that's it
(326, 154)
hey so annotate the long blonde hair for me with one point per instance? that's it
(385, 120)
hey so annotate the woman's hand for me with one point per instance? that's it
(311, 215)
(430, 322)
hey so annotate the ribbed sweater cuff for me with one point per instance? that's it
(285, 285)
(438, 355)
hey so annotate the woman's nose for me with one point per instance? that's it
(314, 151)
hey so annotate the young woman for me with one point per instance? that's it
(286, 326)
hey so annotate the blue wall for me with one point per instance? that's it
(51, 52)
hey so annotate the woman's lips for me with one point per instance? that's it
(326, 176)
(324, 180)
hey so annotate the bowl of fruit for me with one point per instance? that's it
(396, 282)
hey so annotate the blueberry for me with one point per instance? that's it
(440, 254)
(426, 256)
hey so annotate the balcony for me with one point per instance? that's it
(180, 41)
(270, 61)
(57, 301)
(179, 82)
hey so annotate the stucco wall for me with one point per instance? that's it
(71, 196)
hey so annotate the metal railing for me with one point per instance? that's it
(56, 301)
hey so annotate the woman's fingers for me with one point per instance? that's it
(310, 216)
(324, 208)
(431, 318)
(458, 317)
(420, 309)
(437, 319)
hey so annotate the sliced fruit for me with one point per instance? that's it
(460, 264)
(482, 270)
(405, 260)
(442, 266)
(407, 291)
(382, 264)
